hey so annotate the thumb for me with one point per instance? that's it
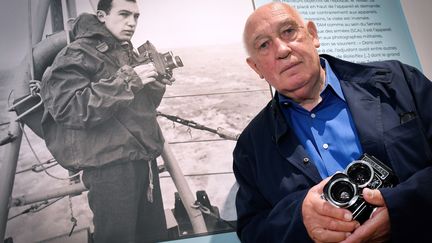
(319, 187)
(373, 197)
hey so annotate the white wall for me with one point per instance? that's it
(419, 18)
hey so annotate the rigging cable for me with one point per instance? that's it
(40, 162)
(36, 207)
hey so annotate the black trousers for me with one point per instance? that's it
(121, 209)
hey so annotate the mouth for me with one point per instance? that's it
(128, 32)
(289, 67)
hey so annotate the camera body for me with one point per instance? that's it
(344, 189)
(164, 62)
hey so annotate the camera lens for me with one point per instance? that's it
(360, 173)
(178, 61)
(340, 191)
(172, 61)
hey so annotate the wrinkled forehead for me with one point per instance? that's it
(269, 16)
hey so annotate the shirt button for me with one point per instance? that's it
(313, 115)
(305, 160)
(325, 146)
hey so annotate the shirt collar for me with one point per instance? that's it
(330, 81)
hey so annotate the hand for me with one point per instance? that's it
(377, 228)
(146, 72)
(323, 221)
(168, 81)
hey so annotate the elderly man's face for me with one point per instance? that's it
(283, 50)
(121, 21)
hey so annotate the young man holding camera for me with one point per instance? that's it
(100, 117)
(325, 114)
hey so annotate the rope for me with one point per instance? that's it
(198, 141)
(217, 93)
(4, 124)
(35, 168)
(201, 174)
(207, 211)
(72, 218)
(37, 207)
(39, 161)
(219, 131)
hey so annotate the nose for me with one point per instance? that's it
(283, 49)
(131, 21)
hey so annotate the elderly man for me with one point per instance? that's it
(326, 113)
(100, 117)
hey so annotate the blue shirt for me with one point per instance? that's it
(328, 132)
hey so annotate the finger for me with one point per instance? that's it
(149, 65)
(323, 182)
(334, 224)
(362, 234)
(148, 80)
(373, 197)
(314, 204)
(327, 209)
(145, 68)
(159, 84)
(318, 188)
(325, 235)
(340, 225)
(166, 81)
(369, 229)
(148, 74)
(377, 211)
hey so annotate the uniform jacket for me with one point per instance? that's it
(97, 111)
(391, 106)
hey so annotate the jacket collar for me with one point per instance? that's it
(357, 72)
(362, 85)
(359, 84)
(88, 26)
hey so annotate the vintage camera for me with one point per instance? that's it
(164, 62)
(344, 189)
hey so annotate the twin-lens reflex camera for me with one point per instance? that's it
(344, 189)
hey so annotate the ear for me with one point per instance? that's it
(254, 66)
(313, 32)
(101, 15)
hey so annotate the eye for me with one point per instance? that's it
(263, 45)
(288, 32)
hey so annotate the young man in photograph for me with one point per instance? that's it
(100, 117)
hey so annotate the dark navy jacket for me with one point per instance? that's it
(275, 172)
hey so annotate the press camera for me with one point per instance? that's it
(164, 62)
(344, 189)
